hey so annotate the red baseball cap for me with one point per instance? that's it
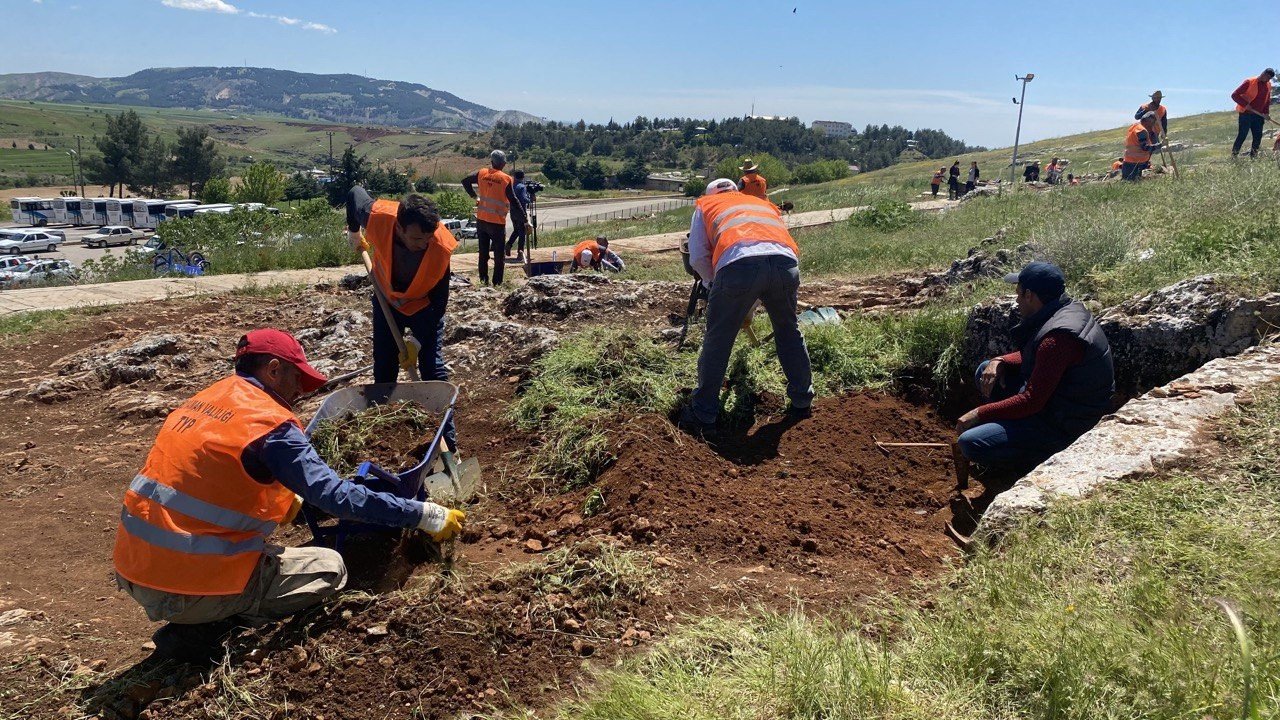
(280, 344)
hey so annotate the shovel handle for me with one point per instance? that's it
(913, 444)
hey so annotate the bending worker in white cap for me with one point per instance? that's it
(740, 247)
(494, 198)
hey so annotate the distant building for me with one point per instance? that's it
(833, 128)
(670, 182)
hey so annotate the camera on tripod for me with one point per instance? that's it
(534, 187)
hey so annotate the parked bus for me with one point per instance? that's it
(224, 209)
(180, 210)
(32, 210)
(126, 213)
(149, 213)
(73, 210)
(106, 211)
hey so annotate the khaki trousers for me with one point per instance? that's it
(287, 580)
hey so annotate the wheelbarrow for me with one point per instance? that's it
(438, 477)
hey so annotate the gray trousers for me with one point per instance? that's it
(287, 580)
(774, 280)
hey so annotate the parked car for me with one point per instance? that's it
(154, 244)
(7, 264)
(112, 235)
(36, 271)
(13, 242)
(466, 230)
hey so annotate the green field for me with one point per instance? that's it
(291, 144)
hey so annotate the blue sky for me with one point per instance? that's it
(946, 65)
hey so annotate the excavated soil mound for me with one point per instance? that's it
(809, 505)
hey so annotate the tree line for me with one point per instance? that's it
(698, 145)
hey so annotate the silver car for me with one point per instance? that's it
(13, 242)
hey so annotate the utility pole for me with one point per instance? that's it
(79, 166)
(330, 156)
(1017, 136)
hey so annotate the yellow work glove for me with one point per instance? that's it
(440, 522)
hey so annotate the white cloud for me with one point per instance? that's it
(203, 6)
(226, 8)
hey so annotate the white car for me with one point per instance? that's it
(36, 271)
(112, 235)
(13, 242)
(7, 264)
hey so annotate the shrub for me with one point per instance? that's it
(885, 216)
(453, 204)
(821, 171)
(216, 190)
(694, 186)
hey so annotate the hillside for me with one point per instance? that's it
(335, 98)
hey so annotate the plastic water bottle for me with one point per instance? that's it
(554, 254)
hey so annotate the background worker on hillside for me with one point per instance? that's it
(936, 181)
(974, 174)
(1050, 391)
(1142, 139)
(1156, 107)
(953, 181)
(740, 247)
(1032, 172)
(227, 467)
(595, 254)
(411, 250)
(494, 199)
(1253, 103)
(752, 182)
(520, 230)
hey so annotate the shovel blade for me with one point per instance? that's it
(451, 490)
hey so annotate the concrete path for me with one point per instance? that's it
(151, 290)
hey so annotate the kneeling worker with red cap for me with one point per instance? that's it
(227, 467)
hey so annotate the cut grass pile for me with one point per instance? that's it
(392, 436)
(581, 389)
(1104, 609)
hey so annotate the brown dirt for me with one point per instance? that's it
(783, 511)
(402, 434)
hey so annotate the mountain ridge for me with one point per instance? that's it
(342, 98)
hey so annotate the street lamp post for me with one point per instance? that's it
(1013, 165)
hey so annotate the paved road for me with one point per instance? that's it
(135, 291)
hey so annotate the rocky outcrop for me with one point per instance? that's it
(1154, 338)
(1158, 430)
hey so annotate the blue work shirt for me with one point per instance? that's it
(522, 194)
(287, 456)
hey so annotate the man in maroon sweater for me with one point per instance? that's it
(1253, 104)
(1050, 391)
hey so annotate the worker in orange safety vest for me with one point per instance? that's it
(227, 467)
(1253, 106)
(495, 196)
(740, 247)
(1142, 139)
(752, 182)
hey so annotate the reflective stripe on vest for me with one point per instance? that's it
(732, 218)
(491, 200)
(1133, 152)
(194, 521)
(380, 232)
(185, 542)
(754, 184)
(197, 508)
(1256, 88)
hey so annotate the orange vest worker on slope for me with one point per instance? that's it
(1253, 103)
(1142, 139)
(752, 182)
(411, 250)
(495, 196)
(740, 246)
(227, 467)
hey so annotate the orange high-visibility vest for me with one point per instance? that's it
(754, 184)
(194, 522)
(380, 232)
(1256, 88)
(1133, 152)
(731, 218)
(492, 203)
(937, 179)
(593, 246)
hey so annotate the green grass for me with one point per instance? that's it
(1105, 610)
(581, 389)
(21, 326)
